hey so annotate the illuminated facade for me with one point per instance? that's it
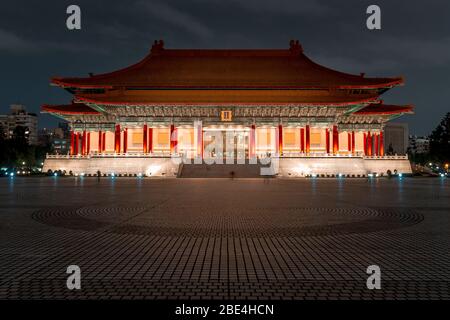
(274, 102)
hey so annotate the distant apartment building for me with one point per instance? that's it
(58, 138)
(396, 138)
(419, 145)
(18, 116)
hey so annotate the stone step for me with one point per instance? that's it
(221, 171)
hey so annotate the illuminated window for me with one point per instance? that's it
(315, 139)
(163, 138)
(137, 138)
(263, 137)
(289, 139)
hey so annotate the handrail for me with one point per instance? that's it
(260, 155)
(110, 155)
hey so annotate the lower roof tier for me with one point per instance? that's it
(381, 108)
(69, 109)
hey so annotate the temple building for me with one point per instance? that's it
(275, 103)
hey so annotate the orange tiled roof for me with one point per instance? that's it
(380, 108)
(214, 69)
(226, 97)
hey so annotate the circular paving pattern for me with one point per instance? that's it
(228, 221)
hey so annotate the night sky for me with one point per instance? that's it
(414, 42)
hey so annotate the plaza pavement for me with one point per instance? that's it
(224, 239)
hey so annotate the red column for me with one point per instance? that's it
(302, 140)
(144, 139)
(375, 149)
(199, 133)
(117, 139)
(125, 140)
(381, 144)
(72, 141)
(150, 140)
(175, 143)
(77, 143)
(104, 142)
(335, 140)
(369, 144)
(100, 136)
(280, 139)
(307, 134)
(88, 144)
(252, 148)
(353, 142)
(349, 143)
(365, 143)
(173, 139)
(327, 140)
(83, 142)
(202, 142)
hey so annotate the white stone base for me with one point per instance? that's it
(160, 166)
(288, 167)
(304, 166)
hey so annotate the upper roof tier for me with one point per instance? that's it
(227, 69)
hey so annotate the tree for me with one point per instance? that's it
(440, 140)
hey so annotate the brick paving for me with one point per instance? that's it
(224, 239)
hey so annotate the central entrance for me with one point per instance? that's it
(226, 143)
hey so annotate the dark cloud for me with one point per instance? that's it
(414, 42)
(12, 43)
(165, 13)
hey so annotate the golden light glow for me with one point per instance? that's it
(226, 115)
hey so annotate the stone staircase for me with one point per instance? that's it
(220, 171)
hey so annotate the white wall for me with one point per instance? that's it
(296, 167)
(129, 165)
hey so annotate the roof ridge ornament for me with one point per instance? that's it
(157, 47)
(295, 47)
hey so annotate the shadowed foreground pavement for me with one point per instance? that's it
(224, 239)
